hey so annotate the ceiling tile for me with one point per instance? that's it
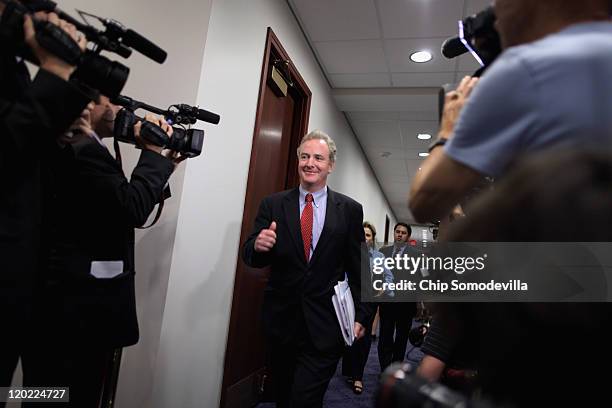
(431, 115)
(378, 152)
(360, 80)
(352, 57)
(373, 115)
(398, 188)
(335, 20)
(376, 102)
(410, 130)
(398, 54)
(413, 166)
(468, 63)
(422, 79)
(420, 18)
(475, 6)
(391, 167)
(378, 133)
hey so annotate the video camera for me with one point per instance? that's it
(185, 141)
(401, 388)
(93, 70)
(477, 35)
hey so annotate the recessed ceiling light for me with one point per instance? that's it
(423, 154)
(421, 56)
(424, 136)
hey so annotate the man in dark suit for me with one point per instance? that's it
(396, 317)
(310, 236)
(33, 114)
(86, 291)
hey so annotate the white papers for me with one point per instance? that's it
(345, 311)
(106, 269)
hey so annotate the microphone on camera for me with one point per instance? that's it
(453, 47)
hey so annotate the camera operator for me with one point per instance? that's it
(87, 295)
(32, 116)
(549, 88)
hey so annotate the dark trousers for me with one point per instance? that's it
(395, 323)
(300, 372)
(356, 357)
(48, 363)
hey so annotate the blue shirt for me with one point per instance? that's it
(319, 207)
(387, 274)
(555, 92)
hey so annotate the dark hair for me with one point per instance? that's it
(403, 224)
(366, 224)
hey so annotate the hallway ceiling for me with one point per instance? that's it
(364, 48)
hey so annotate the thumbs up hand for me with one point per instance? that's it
(266, 239)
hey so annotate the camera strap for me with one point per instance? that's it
(117, 151)
(160, 207)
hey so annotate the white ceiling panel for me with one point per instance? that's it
(420, 18)
(334, 20)
(373, 115)
(352, 57)
(398, 188)
(475, 6)
(398, 55)
(410, 130)
(375, 102)
(378, 133)
(467, 63)
(376, 152)
(430, 115)
(391, 166)
(414, 165)
(422, 79)
(360, 80)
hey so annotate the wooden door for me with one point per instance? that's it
(281, 121)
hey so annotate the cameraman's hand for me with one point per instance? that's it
(175, 156)
(453, 104)
(48, 61)
(82, 125)
(159, 121)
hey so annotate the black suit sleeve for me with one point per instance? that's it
(356, 251)
(46, 109)
(263, 220)
(133, 200)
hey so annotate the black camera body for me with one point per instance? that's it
(477, 34)
(401, 388)
(93, 70)
(188, 142)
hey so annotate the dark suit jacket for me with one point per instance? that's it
(32, 116)
(92, 212)
(296, 287)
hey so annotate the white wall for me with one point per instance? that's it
(179, 28)
(192, 345)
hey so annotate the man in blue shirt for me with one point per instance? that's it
(550, 88)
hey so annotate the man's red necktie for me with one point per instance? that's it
(306, 224)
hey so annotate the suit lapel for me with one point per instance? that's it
(291, 208)
(332, 215)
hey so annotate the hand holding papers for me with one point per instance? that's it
(345, 311)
